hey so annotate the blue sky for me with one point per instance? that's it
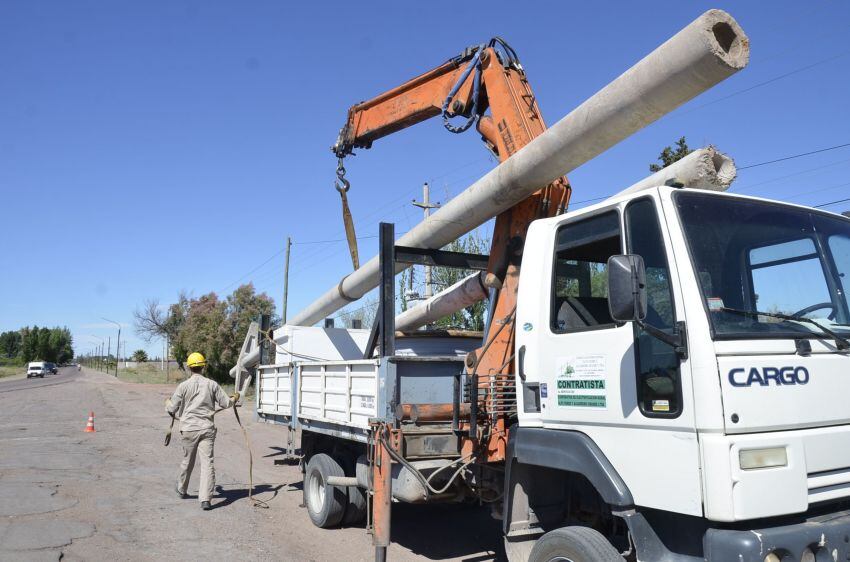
(148, 148)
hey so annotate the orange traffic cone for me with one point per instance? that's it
(90, 424)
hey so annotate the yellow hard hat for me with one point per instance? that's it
(196, 360)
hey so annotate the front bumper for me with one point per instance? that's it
(827, 536)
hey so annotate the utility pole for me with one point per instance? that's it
(286, 278)
(98, 362)
(108, 351)
(426, 207)
(117, 344)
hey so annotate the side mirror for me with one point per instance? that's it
(626, 288)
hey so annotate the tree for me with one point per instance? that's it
(29, 347)
(671, 154)
(40, 344)
(153, 321)
(471, 317)
(43, 351)
(140, 356)
(365, 311)
(10, 344)
(207, 324)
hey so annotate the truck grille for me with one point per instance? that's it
(828, 484)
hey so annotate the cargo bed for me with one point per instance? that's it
(339, 397)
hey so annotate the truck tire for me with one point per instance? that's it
(355, 510)
(325, 504)
(574, 544)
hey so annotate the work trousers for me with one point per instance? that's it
(198, 444)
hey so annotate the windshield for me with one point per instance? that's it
(757, 256)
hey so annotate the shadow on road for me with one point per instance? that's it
(280, 451)
(228, 496)
(454, 531)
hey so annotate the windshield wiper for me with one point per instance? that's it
(840, 341)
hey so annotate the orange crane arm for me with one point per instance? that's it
(493, 72)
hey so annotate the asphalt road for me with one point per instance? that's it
(70, 495)
(65, 374)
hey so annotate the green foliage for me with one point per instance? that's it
(472, 317)
(37, 344)
(10, 344)
(140, 356)
(671, 154)
(207, 324)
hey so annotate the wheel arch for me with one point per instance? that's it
(534, 453)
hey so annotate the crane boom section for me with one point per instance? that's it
(514, 120)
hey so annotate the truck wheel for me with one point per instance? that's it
(574, 544)
(355, 510)
(325, 504)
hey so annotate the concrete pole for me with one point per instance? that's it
(286, 279)
(705, 168)
(707, 51)
(462, 294)
(426, 207)
(117, 352)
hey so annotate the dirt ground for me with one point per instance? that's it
(70, 495)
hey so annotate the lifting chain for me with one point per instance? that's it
(342, 186)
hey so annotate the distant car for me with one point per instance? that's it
(51, 367)
(37, 369)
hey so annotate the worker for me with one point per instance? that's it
(194, 405)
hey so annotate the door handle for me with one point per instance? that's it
(521, 362)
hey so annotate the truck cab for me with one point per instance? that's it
(712, 422)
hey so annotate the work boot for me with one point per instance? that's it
(206, 506)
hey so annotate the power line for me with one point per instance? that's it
(331, 241)
(769, 81)
(273, 256)
(831, 203)
(786, 176)
(793, 156)
(819, 190)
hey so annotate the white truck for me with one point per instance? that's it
(681, 376)
(663, 376)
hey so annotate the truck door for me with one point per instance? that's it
(612, 381)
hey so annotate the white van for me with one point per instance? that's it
(36, 369)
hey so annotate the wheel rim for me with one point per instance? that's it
(560, 559)
(317, 490)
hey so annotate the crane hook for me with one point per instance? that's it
(342, 186)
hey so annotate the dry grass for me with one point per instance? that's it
(150, 373)
(7, 371)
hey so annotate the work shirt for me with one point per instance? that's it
(194, 403)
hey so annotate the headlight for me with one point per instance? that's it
(751, 459)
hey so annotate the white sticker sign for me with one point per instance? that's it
(581, 382)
